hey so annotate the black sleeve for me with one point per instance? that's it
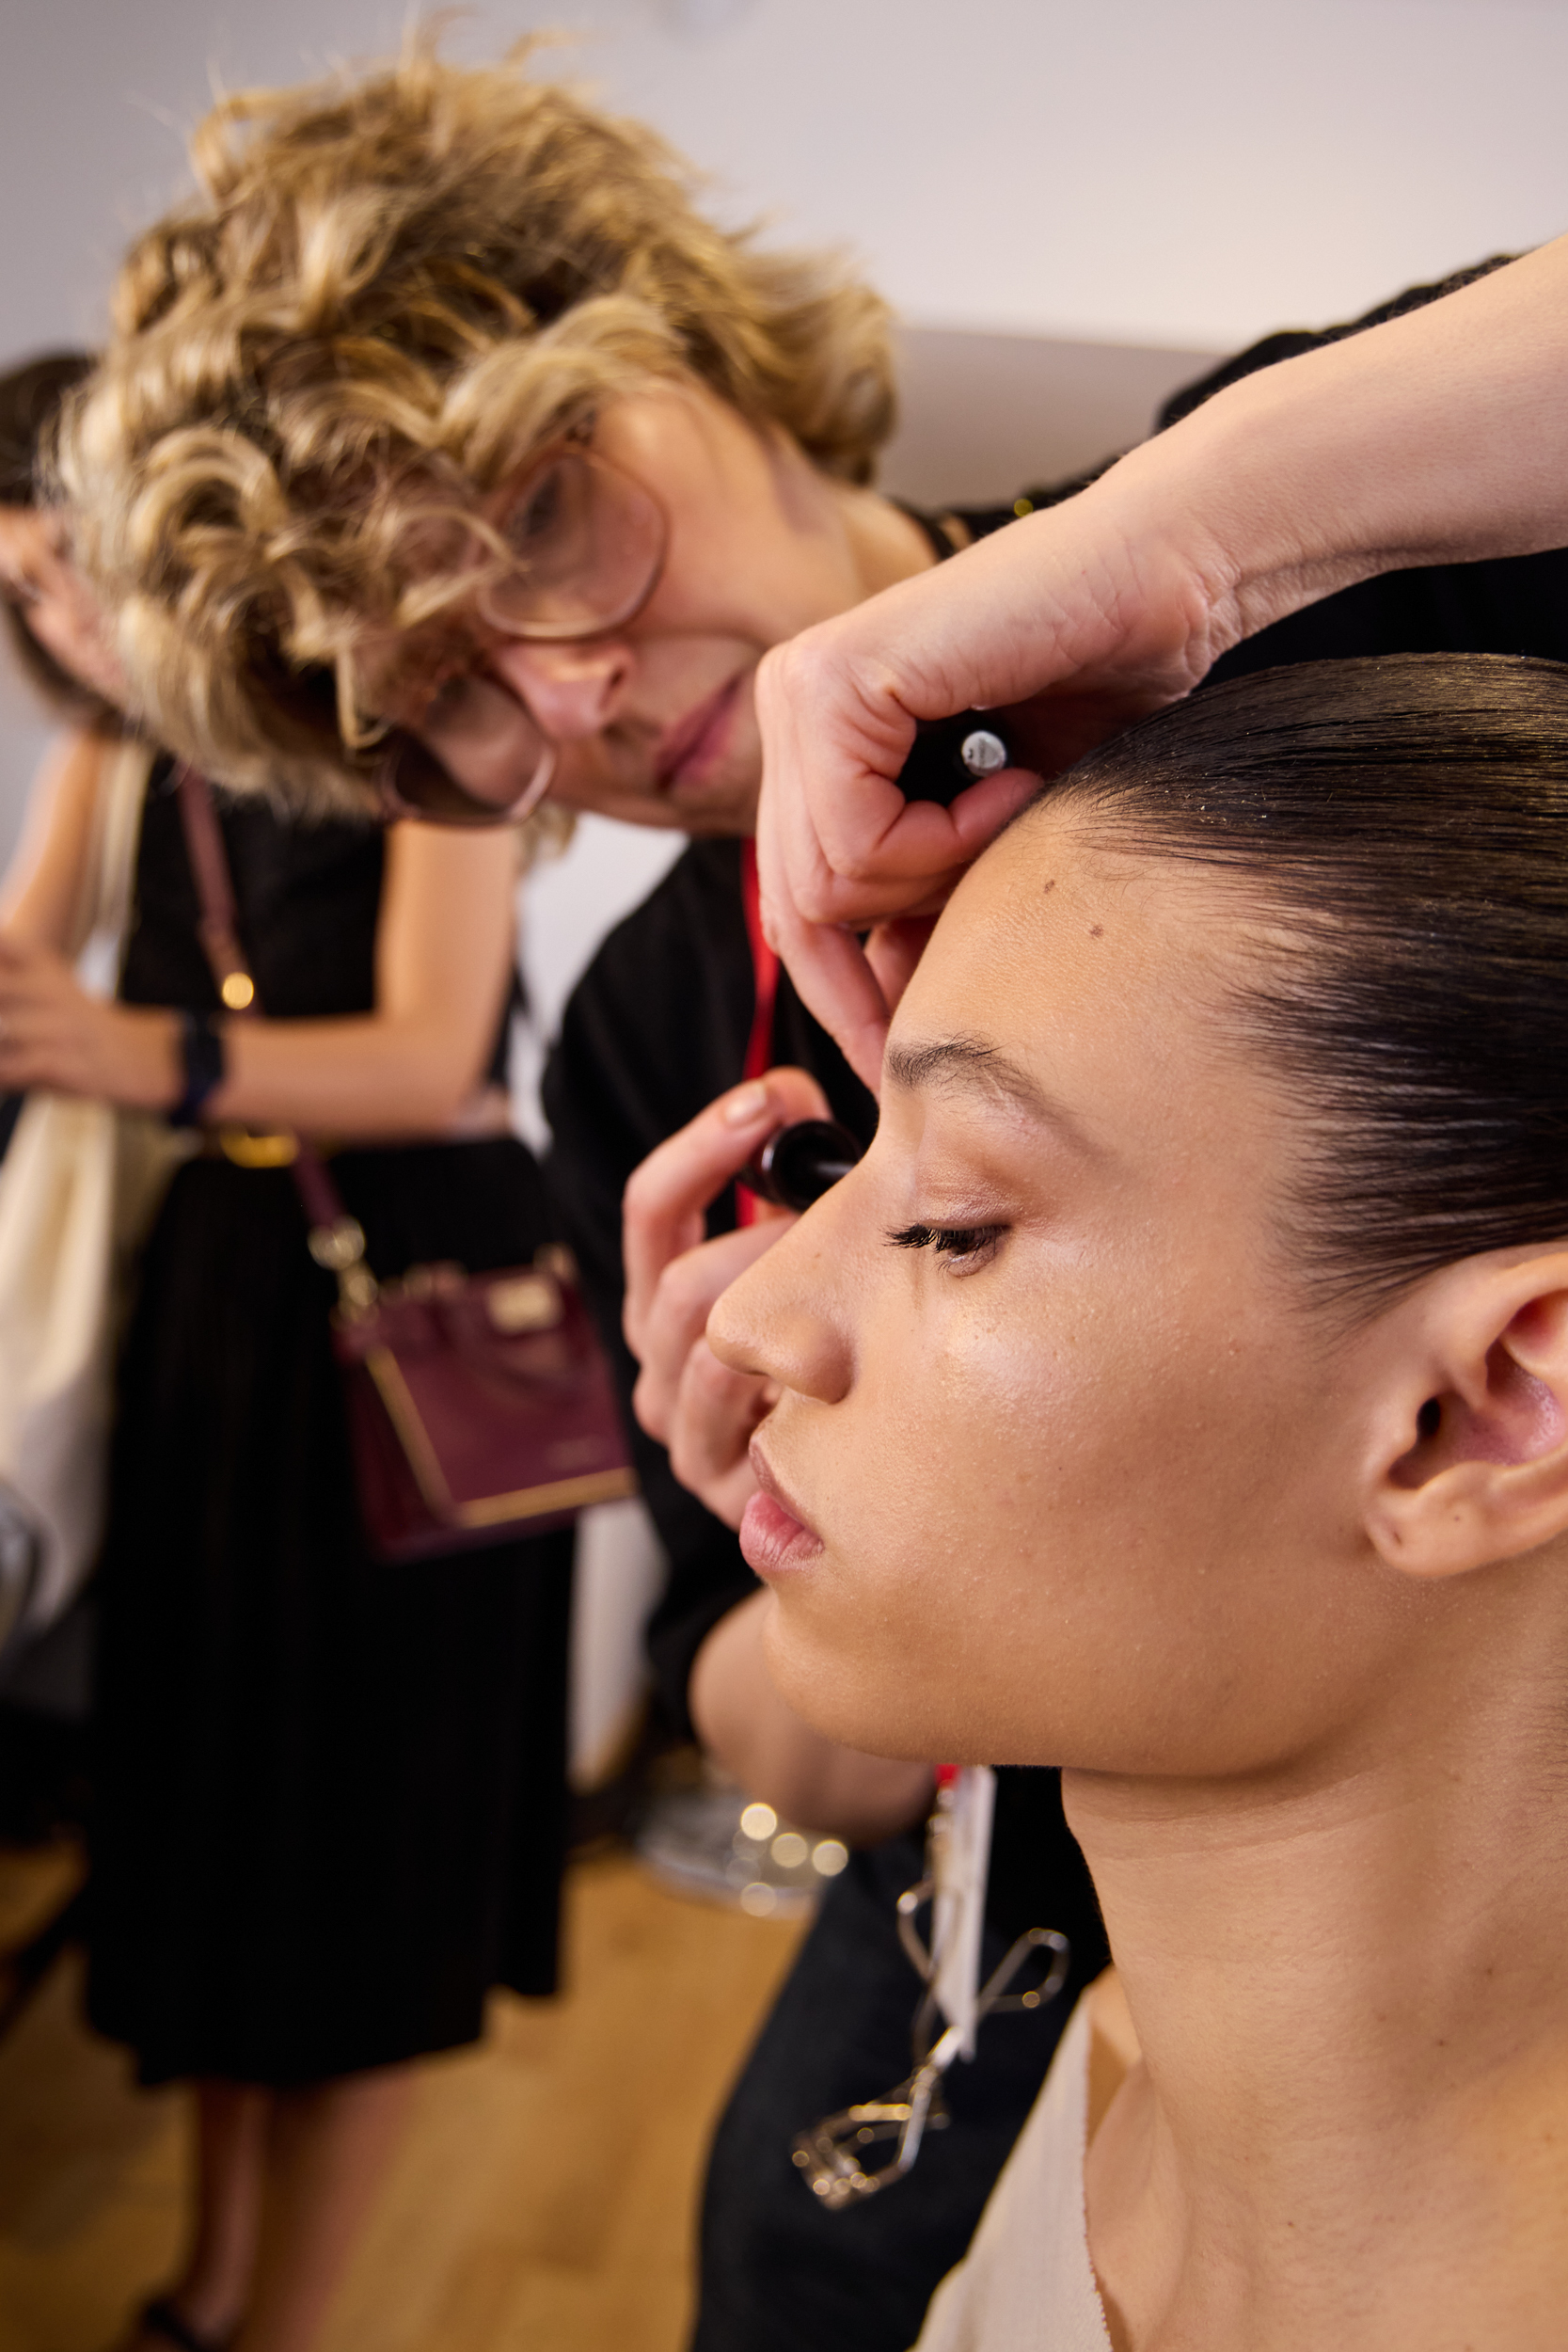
(656, 1028)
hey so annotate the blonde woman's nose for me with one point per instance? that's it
(572, 690)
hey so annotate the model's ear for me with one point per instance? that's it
(1473, 1450)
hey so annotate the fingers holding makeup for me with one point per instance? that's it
(673, 1318)
(666, 1198)
(716, 1413)
(693, 1404)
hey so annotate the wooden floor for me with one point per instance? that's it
(545, 2197)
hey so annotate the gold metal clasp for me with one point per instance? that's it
(340, 1248)
(248, 1149)
(528, 1302)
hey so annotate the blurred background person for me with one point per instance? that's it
(329, 1809)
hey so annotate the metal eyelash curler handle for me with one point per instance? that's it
(950, 755)
(831, 2154)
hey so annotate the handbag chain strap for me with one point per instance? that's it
(336, 1240)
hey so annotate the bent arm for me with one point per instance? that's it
(443, 965)
(41, 899)
(1440, 436)
(443, 957)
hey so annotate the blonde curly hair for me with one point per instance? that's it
(390, 293)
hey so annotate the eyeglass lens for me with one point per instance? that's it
(587, 542)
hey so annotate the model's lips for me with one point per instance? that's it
(773, 1535)
(696, 741)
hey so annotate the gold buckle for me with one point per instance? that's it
(248, 1149)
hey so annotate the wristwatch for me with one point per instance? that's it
(204, 1060)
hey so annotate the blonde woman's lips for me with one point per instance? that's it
(696, 741)
(774, 1538)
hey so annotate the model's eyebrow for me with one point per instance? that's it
(969, 1065)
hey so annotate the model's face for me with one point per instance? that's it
(653, 722)
(1062, 1472)
(37, 574)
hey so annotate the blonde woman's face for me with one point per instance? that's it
(653, 721)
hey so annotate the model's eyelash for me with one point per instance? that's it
(948, 1241)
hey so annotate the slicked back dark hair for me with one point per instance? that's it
(31, 398)
(1402, 826)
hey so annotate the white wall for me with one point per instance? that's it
(1129, 168)
(1117, 169)
(1113, 173)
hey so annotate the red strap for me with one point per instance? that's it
(764, 973)
(765, 969)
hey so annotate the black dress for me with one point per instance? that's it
(331, 1794)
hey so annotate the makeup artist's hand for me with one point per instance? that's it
(1440, 436)
(699, 1410)
(705, 1414)
(52, 1034)
(1069, 614)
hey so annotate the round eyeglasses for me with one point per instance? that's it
(585, 546)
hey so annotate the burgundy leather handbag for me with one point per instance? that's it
(479, 1407)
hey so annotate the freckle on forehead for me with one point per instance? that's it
(1046, 887)
(1097, 930)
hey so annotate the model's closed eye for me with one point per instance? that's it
(964, 1248)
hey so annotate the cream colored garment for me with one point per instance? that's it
(1026, 2283)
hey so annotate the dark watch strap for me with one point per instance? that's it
(202, 1052)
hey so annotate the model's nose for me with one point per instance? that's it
(573, 690)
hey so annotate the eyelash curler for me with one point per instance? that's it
(833, 2154)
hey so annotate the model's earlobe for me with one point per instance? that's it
(1477, 1471)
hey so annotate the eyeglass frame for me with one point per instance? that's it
(452, 804)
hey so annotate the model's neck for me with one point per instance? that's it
(1352, 1996)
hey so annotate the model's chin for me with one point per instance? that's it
(821, 1681)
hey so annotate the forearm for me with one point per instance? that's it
(1438, 436)
(366, 1077)
(746, 1727)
